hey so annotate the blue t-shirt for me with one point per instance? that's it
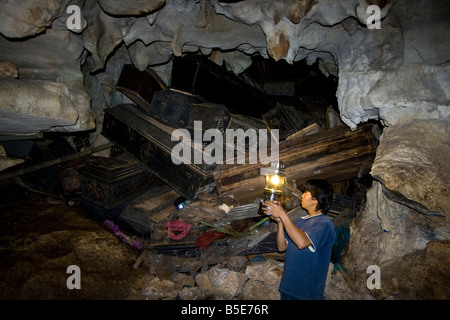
(305, 271)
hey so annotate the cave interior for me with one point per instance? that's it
(86, 138)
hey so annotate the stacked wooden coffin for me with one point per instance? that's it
(200, 91)
(335, 155)
(203, 91)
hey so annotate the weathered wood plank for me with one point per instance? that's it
(335, 155)
(53, 162)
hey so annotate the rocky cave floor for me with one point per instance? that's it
(40, 237)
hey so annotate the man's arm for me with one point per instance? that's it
(297, 236)
(280, 238)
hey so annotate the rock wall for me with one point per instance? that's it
(404, 228)
(411, 250)
(48, 91)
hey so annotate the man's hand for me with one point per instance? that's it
(277, 213)
(273, 209)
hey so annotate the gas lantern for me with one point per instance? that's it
(275, 182)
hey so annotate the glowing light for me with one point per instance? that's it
(275, 180)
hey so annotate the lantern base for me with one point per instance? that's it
(268, 197)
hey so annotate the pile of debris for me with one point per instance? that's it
(197, 202)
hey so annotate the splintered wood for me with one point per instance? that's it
(335, 155)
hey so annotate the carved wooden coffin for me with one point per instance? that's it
(110, 182)
(212, 116)
(172, 107)
(149, 141)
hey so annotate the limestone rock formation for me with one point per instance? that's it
(404, 226)
(49, 60)
(35, 99)
(8, 69)
(405, 58)
(397, 239)
(135, 7)
(28, 18)
(411, 170)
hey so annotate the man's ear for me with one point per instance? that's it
(314, 200)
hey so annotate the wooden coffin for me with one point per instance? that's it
(139, 86)
(149, 141)
(335, 155)
(212, 116)
(245, 123)
(70, 178)
(179, 109)
(172, 107)
(150, 208)
(110, 182)
(201, 76)
(287, 119)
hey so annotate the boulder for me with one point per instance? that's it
(229, 284)
(268, 272)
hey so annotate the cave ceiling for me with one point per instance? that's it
(395, 72)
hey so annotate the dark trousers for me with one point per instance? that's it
(284, 296)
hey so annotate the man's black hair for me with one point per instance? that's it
(322, 191)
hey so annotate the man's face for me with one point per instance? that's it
(308, 202)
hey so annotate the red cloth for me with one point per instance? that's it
(178, 226)
(207, 238)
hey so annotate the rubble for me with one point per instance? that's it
(268, 272)
(229, 284)
(256, 280)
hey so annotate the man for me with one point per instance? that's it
(307, 241)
